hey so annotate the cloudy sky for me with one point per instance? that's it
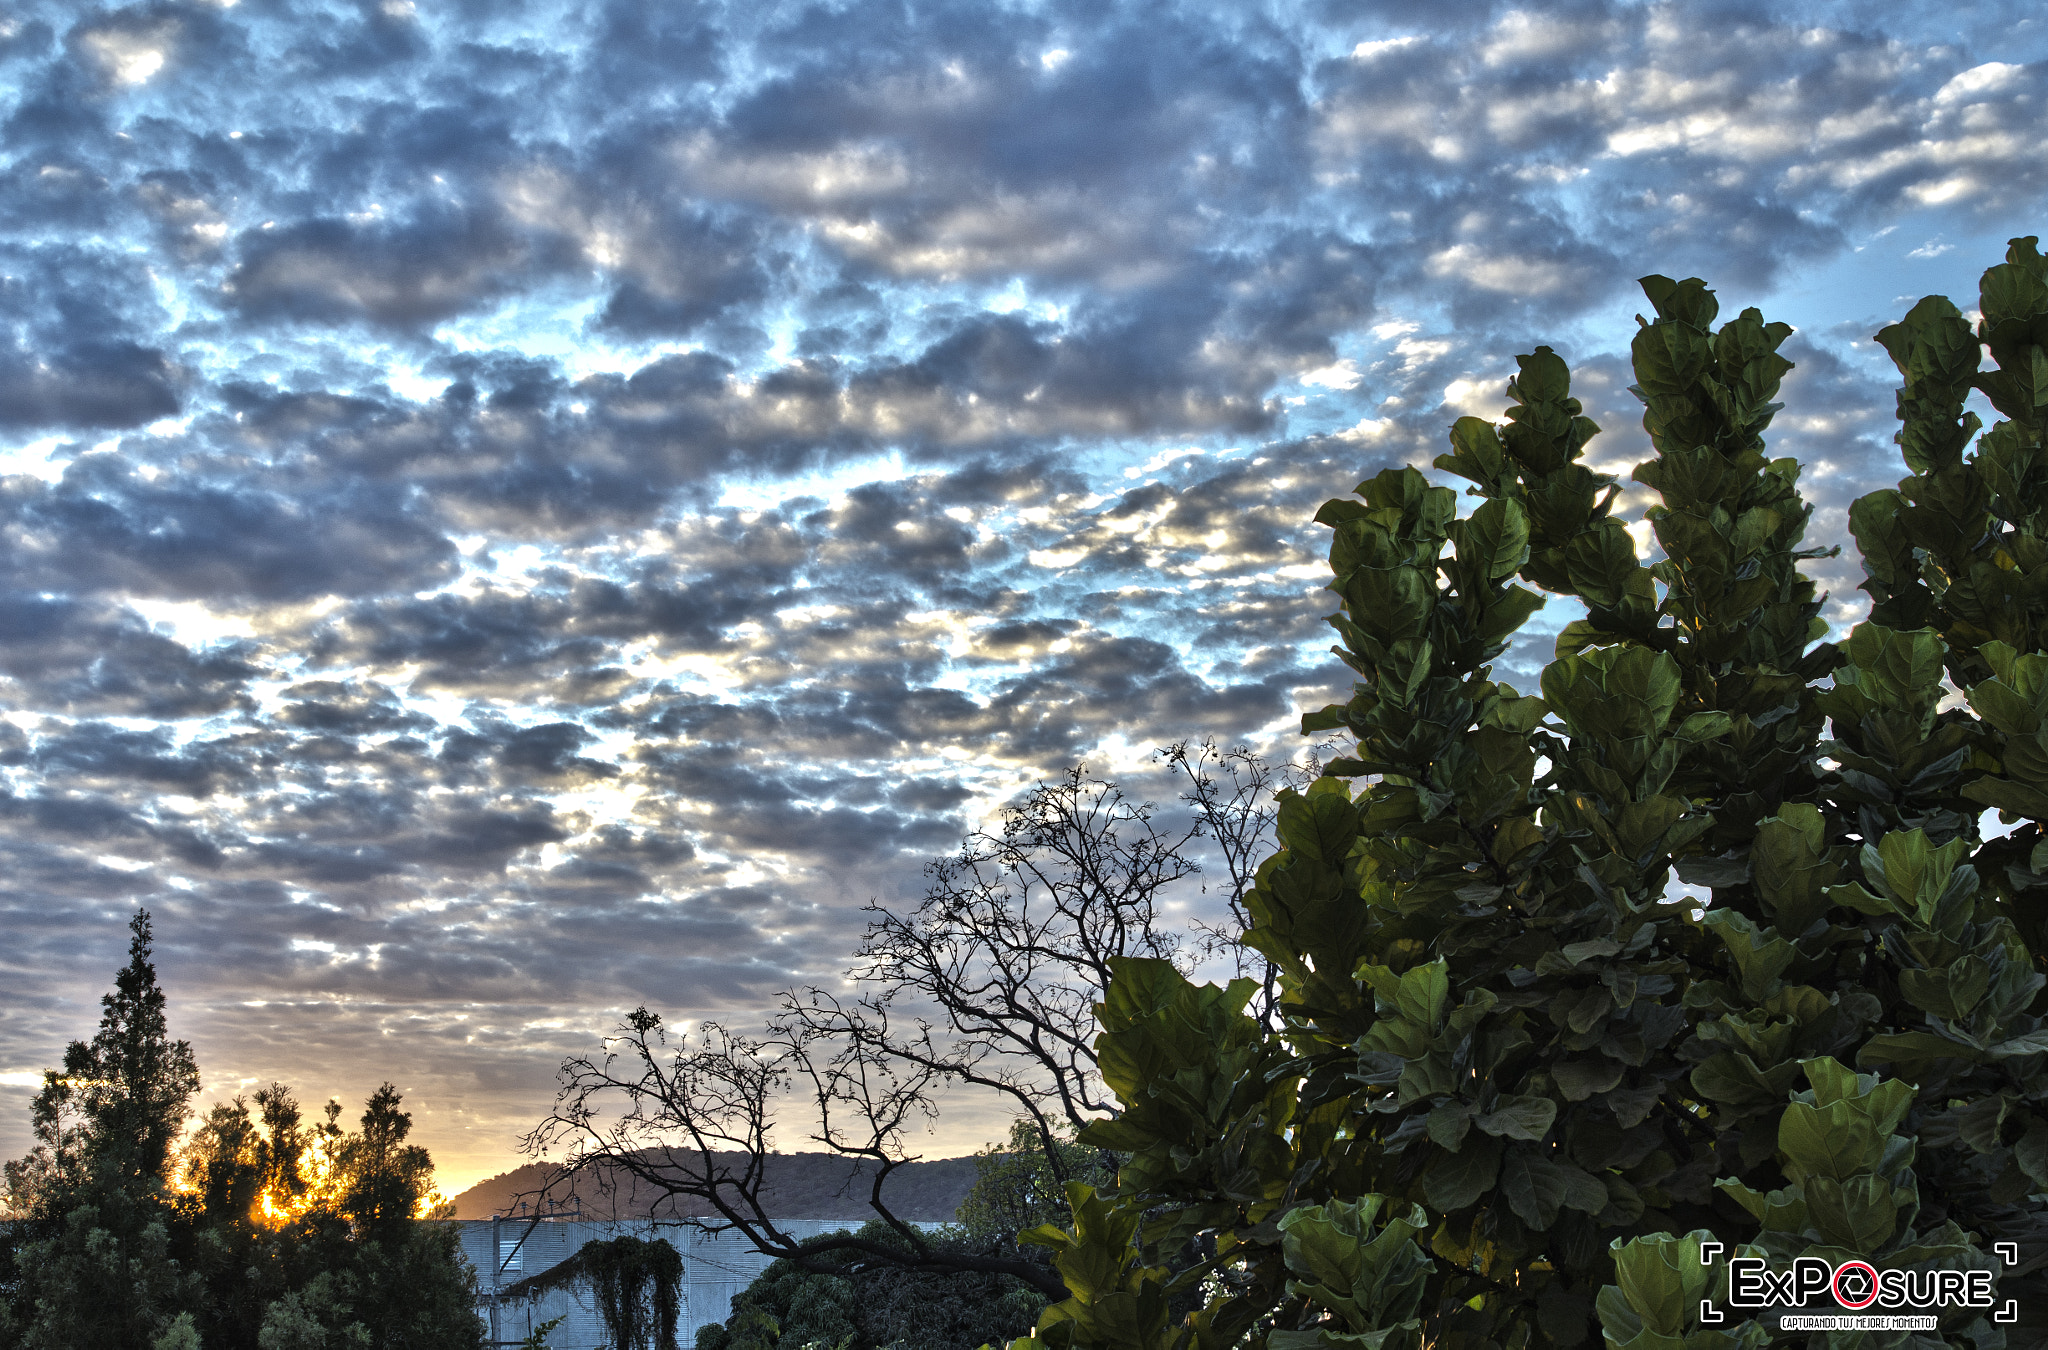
(515, 510)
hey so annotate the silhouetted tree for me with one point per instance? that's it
(990, 981)
(317, 1237)
(262, 1235)
(92, 1260)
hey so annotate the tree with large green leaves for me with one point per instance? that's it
(1519, 1079)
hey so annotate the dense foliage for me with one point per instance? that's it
(265, 1233)
(307, 1239)
(1517, 1078)
(1018, 1186)
(850, 1302)
(881, 1306)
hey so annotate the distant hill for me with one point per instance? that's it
(799, 1186)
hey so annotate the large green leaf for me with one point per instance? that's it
(1859, 1213)
(1578, 1079)
(1457, 1179)
(1527, 1118)
(1496, 537)
(1662, 1278)
(1319, 826)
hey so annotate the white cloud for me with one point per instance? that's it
(1522, 36)
(1367, 51)
(1368, 430)
(1477, 395)
(1339, 375)
(1990, 78)
(1500, 272)
(130, 57)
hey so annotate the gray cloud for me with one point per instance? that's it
(404, 275)
(508, 515)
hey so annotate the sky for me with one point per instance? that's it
(513, 511)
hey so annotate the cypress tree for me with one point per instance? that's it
(93, 1261)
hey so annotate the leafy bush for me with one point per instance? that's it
(1514, 1069)
(875, 1306)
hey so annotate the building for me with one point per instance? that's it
(506, 1250)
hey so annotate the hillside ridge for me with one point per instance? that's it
(798, 1186)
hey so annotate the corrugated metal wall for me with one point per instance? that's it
(715, 1268)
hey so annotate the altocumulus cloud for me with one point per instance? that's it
(516, 511)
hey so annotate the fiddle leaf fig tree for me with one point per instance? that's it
(1519, 1077)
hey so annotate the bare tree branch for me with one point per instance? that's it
(672, 1121)
(1232, 794)
(991, 981)
(1013, 942)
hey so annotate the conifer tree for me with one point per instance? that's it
(112, 1113)
(93, 1263)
